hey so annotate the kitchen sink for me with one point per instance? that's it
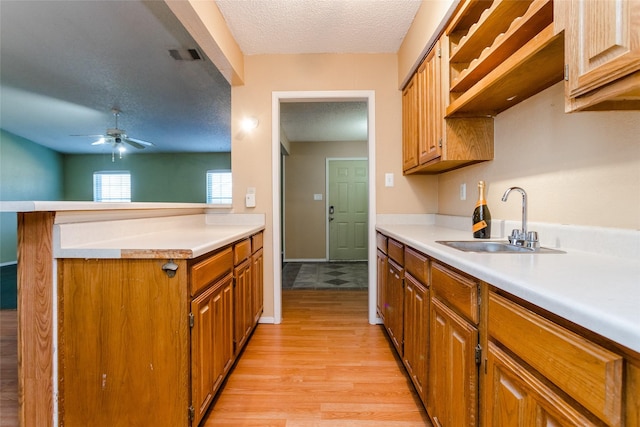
(493, 246)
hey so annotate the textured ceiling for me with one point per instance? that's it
(65, 64)
(324, 121)
(318, 26)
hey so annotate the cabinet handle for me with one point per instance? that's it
(437, 421)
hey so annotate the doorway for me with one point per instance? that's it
(315, 96)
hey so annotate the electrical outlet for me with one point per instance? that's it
(463, 191)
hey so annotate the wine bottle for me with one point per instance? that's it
(481, 216)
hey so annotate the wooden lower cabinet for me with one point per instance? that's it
(243, 314)
(257, 285)
(211, 343)
(416, 332)
(381, 284)
(556, 358)
(479, 356)
(132, 337)
(514, 397)
(452, 395)
(394, 310)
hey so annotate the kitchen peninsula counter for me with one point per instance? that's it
(49, 232)
(597, 291)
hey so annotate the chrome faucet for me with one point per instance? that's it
(522, 237)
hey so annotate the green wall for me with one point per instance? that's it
(169, 177)
(28, 171)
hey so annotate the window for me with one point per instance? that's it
(219, 187)
(112, 186)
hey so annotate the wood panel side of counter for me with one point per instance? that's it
(123, 343)
(35, 318)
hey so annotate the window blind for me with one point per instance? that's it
(219, 187)
(112, 186)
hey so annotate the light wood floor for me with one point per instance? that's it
(323, 366)
(8, 368)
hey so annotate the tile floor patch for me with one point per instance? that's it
(330, 275)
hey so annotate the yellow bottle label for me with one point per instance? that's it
(479, 225)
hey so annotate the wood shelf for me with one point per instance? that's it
(532, 68)
(537, 17)
(491, 23)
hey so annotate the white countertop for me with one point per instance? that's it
(62, 206)
(177, 237)
(596, 291)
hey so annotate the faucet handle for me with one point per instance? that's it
(515, 236)
(532, 239)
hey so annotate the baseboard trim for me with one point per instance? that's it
(6, 264)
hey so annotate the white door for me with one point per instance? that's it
(347, 209)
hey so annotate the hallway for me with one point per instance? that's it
(323, 366)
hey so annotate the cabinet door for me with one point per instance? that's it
(603, 43)
(211, 343)
(410, 124)
(452, 391)
(516, 398)
(242, 303)
(430, 107)
(202, 352)
(416, 332)
(394, 311)
(381, 284)
(257, 285)
(223, 350)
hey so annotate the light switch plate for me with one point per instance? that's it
(388, 179)
(317, 197)
(250, 200)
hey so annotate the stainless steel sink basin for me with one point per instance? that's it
(493, 246)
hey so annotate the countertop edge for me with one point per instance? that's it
(620, 327)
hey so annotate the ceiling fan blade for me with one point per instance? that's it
(133, 143)
(101, 141)
(140, 143)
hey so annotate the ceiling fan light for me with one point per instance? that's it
(122, 148)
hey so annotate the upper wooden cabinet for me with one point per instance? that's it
(410, 116)
(602, 54)
(431, 143)
(494, 54)
(500, 53)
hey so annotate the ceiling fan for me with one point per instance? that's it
(117, 138)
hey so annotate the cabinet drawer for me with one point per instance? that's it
(587, 372)
(381, 242)
(212, 268)
(241, 251)
(395, 250)
(256, 242)
(417, 265)
(460, 292)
